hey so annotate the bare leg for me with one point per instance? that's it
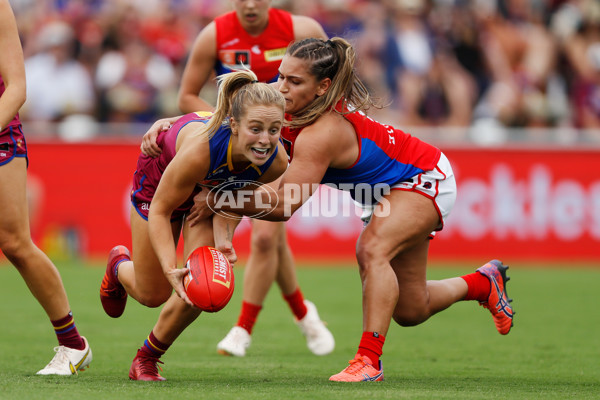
(143, 277)
(399, 287)
(264, 263)
(286, 271)
(174, 317)
(40, 274)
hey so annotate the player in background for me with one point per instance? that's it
(333, 141)
(237, 144)
(73, 353)
(255, 35)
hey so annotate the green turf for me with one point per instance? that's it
(553, 351)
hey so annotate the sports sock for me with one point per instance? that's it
(296, 302)
(67, 333)
(116, 268)
(248, 316)
(371, 345)
(154, 347)
(478, 286)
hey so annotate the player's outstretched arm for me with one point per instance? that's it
(198, 70)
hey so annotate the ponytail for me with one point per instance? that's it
(239, 90)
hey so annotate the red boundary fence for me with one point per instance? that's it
(526, 204)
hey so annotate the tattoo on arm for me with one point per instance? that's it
(229, 233)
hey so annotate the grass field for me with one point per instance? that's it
(553, 351)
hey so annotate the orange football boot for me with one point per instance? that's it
(359, 370)
(498, 301)
(112, 294)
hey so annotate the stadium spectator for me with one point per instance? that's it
(455, 25)
(58, 84)
(239, 143)
(255, 35)
(521, 55)
(133, 82)
(379, 61)
(433, 89)
(41, 276)
(324, 99)
(582, 50)
(508, 48)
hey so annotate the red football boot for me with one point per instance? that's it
(145, 368)
(112, 294)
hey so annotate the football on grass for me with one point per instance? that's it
(209, 283)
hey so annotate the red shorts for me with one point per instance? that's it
(12, 144)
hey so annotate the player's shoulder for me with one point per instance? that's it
(226, 18)
(307, 27)
(324, 129)
(207, 35)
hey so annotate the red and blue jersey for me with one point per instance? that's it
(237, 49)
(386, 155)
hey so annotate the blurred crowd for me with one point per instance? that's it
(440, 63)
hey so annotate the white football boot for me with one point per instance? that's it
(318, 338)
(68, 361)
(235, 343)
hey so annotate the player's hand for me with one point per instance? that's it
(149, 146)
(175, 278)
(200, 210)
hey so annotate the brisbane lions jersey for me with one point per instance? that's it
(237, 49)
(221, 172)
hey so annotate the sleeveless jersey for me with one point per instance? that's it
(220, 172)
(386, 155)
(15, 121)
(262, 54)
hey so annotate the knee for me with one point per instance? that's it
(264, 241)
(410, 316)
(369, 254)
(14, 247)
(152, 299)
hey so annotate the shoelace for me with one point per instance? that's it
(149, 365)
(355, 365)
(59, 358)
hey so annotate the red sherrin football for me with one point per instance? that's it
(210, 281)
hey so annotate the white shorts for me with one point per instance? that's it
(438, 185)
